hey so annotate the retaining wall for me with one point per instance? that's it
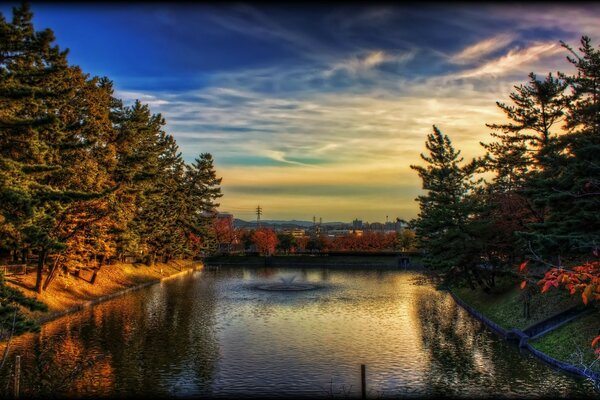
(517, 334)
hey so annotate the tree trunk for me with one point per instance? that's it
(93, 279)
(40, 270)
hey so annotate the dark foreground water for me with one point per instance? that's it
(216, 333)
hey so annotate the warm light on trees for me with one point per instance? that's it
(265, 240)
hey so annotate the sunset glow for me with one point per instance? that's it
(319, 111)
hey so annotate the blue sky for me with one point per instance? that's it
(318, 110)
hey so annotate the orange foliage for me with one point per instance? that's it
(265, 240)
(224, 230)
(368, 241)
(584, 278)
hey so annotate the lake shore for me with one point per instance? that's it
(69, 294)
(566, 346)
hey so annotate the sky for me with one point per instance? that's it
(319, 110)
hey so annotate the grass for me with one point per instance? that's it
(68, 291)
(504, 305)
(571, 343)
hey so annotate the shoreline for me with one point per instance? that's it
(69, 295)
(89, 303)
(523, 342)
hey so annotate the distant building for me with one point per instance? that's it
(376, 226)
(357, 224)
(338, 232)
(297, 233)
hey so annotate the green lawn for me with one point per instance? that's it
(572, 342)
(505, 305)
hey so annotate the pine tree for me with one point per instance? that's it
(203, 189)
(523, 159)
(573, 195)
(444, 224)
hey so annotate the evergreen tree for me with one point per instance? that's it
(573, 196)
(523, 159)
(445, 222)
(36, 87)
(203, 189)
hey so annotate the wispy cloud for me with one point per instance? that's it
(514, 60)
(477, 52)
(365, 62)
(356, 114)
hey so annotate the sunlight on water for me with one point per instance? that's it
(217, 334)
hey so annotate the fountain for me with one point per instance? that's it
(287, 285)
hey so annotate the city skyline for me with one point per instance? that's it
(318, 110)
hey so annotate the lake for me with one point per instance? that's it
(222, 333)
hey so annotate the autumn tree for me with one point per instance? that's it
(56, 138)
(82, 177)
(265, 240)
(224, 231)
(406, 240)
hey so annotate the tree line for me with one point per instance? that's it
(534, 196)
(83, 177)
(267, 241)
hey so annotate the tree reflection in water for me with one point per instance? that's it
(210, 334)
(113, 350)
(464, 356)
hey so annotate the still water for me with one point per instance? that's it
(217, 333)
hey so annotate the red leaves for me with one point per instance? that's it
(523, 284)
(523, 266)
(265, 240)
(594, 343)
(584, 277)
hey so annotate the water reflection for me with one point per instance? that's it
(213, 334)
(160, 341)
(466, 359)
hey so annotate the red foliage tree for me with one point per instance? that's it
(224, 230)
(584, 278)
(368, 241)
(265, 240)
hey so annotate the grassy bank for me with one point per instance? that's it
(570, 343)
(504, 305)
(67, 292)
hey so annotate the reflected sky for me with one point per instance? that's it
(214, 334)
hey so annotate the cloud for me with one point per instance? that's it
(146, 98)
(514, 60)
(365, 62)
(280, 156)
(297, 138)
(479, 50)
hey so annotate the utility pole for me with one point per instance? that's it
(258, 214)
